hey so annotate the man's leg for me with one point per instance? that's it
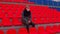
(33, 25)
(26, 24)
(27, 27)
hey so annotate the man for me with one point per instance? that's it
(26, 18)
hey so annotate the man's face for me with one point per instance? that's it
(27, 9)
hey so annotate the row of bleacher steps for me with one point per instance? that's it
(40, 2)
(11, 14)
(55, 29)
(17, 1)
(13, 0)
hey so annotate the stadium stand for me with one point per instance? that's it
(44, 14)
(45, 2)
(14, 12)
(11, 14)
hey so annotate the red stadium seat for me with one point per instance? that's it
(6, 22)
(56, 28)
(41, 30)
(11, 11)
(49, 29)
(55, 17)
(29, 2)
(1, 14)
(11, 31)
(24, 1)
(53, 30)
(6, 9)
(0, 21)
(13, 0)
(33, 30)
(40, 14)
(35, 15)
(51, 15)
(20, 0)
(6, 1)
(10, 14)
(22, 31)
(17, 21)
(1, 32)
(20, 10)
(58, 14)
(0, 24)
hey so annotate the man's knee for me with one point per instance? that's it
(33, 25)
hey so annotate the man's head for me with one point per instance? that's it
(27, 8)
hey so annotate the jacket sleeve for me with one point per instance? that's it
(30, 16)
(22, 14)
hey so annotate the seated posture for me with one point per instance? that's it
(26, 18)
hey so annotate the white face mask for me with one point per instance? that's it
(28, 9)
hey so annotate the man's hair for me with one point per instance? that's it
(27, 6)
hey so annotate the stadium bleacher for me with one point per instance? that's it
(47, 2)
(44, 14)
(32, 30)
(11, 14)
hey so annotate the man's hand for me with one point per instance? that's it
(29, 21)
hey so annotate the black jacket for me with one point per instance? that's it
(27, 13)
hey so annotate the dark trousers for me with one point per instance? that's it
(27, 26)
(25, 23)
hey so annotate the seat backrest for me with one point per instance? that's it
(11, 31)
(22, 31)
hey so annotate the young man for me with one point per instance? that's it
(26, 18)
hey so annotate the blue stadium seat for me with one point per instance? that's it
(38, 2)
(45, 2)
(50, 3)
(58, 9)
(32, 0)
(55, 3)
(58, 3)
